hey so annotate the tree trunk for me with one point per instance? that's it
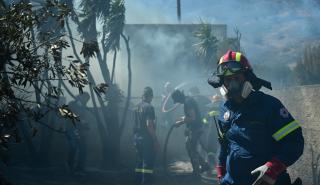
(46, 134)
(124, 117)
(113, 128)
(113, 65)
(32, 149)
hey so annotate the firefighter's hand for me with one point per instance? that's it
(263, 178)
(267, 174)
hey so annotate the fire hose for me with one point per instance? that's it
(165, 164)
(165, 149)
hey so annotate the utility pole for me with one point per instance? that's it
(179, 10)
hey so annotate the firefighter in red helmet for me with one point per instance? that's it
(260, 138)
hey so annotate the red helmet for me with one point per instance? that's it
(234, 62)
(231, 63)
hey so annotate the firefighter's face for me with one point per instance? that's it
(148, 98)
(234, 84)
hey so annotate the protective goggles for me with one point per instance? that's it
(229, 68)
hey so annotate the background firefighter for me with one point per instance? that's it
(193, 131)
(145, 139)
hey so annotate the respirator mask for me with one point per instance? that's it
(236, 89)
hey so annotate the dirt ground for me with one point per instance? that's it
(59, 176)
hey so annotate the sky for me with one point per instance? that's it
(269, 27)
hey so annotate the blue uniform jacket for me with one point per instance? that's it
(256, 131)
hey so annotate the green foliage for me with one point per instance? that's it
(101, 89)
(87, 27)
(26, 61)
(31, 47)
(111, 14)
(114, 95)
(114, 25)
(98, 7)
(51, 20)
(89, 48)
(307, 70)
(66, 112)
(207, 47)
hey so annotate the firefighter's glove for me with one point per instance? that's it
(221, 171)
(268, 173)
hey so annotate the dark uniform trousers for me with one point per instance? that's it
(283, 179)
(145, 159)
(193, 138)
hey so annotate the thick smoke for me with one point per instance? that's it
(270, 28)
(159, 55)
(274, 32)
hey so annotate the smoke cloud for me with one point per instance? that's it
(270, 28)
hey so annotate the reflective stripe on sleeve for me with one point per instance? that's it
(213, 113)
(284, 131)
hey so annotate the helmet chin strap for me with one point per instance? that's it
(244, 91)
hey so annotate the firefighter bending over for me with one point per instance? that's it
(193, 131)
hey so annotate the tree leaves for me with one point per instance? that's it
(101, 89)
(89, 49)
(25, 61)
(78, 75)
(114, 25)
(66, 112)
(54, 92)
(207, 46)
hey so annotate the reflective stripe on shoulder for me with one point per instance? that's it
(142, 170)
(284, 131)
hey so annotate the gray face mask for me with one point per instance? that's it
(234, 89)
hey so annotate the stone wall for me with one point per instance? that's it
(304, 104)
